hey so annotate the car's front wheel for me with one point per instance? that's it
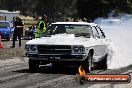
(88, 63)
(33, 66)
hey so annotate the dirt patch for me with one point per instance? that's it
(12, 52)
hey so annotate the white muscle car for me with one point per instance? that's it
(68, 43)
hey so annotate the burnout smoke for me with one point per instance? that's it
(119, 32)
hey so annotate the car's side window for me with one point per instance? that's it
(95, 32)
(101, 33)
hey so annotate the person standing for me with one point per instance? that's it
(18, 31)
(41, 27)
(45, 19)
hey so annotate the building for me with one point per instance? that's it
(7, 15)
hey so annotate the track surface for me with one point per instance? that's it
(14, 73)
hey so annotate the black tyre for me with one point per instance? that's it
(103, 63)
(88, 63)
(33, 66)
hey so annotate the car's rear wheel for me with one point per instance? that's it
(103, 63)
(55, 65)
(33, 66)
(58, 65)
(88, 63)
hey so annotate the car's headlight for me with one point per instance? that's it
(78, 49)
(31, 47)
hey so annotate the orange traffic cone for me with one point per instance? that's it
(1, 46)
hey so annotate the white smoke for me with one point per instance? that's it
(120, 34)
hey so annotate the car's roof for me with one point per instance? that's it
(81, 23)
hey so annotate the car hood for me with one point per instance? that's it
(60, 39)
(4, 30)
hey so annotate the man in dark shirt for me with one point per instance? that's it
(18, 24)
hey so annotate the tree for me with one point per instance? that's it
(59, 9)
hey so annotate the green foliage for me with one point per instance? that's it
(57, 10)
(96, 8)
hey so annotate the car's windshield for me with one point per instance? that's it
(4, 24)
(76, 29)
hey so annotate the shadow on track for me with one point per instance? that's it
(52, 70)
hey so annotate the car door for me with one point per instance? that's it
(97, 43)
(103, 40)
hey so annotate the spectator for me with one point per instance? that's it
(41, 27)
(18, 31)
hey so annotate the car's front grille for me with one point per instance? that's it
(54, 49)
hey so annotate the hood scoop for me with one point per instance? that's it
(61, 38)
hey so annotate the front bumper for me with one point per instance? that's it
(57, 57)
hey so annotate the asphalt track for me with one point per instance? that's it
(14, 73)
